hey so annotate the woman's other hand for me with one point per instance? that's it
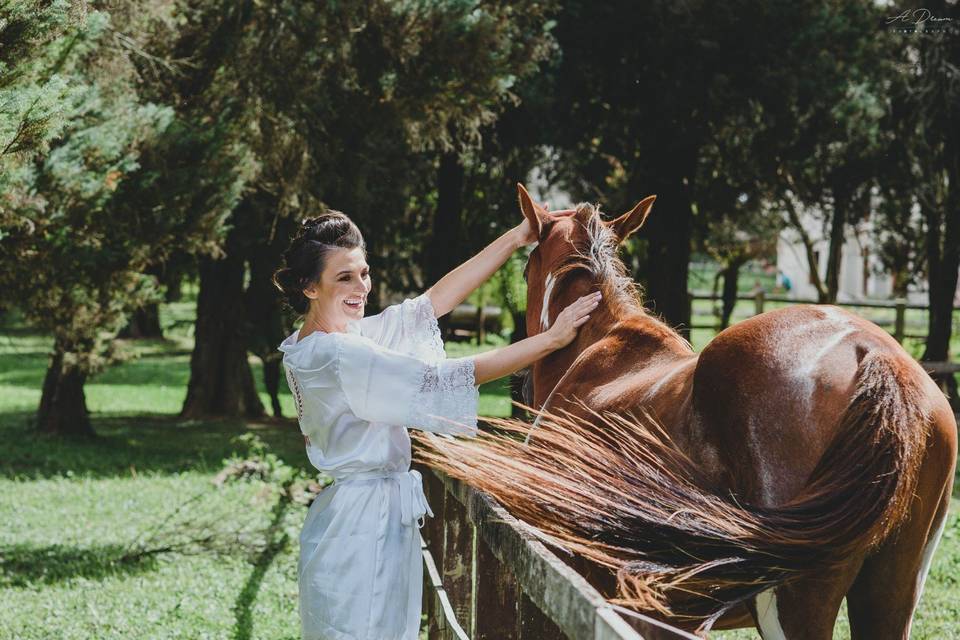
(565, 327)
(524, 235)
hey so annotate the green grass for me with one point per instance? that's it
(73, 512)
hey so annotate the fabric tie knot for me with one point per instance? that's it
(413, 502)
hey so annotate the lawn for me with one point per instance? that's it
(131, 535)
(128, 535)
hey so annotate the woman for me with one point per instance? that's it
(359, 383)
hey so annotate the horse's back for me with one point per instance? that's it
(772, 390)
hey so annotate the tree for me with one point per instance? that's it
(350, 107)
(36, 42)
(644, 89)
(113, 194)
(934, 93)
(897, 231)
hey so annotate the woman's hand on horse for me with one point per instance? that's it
(568, 322)
(526, 236)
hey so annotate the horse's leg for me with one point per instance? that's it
(806, 609)
(885, 594)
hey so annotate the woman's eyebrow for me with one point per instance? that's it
(349, 270)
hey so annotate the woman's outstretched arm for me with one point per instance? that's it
(497, 363)
(453, 288)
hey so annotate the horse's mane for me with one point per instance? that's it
(598, 256)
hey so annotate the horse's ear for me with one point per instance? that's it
(633, 219)
(531, 211)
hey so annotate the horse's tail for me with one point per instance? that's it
(618, 491)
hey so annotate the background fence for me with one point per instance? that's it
(897, 326)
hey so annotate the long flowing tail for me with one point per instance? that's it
(617, 490)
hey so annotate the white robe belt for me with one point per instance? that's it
(413, 502)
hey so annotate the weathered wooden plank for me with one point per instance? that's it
(443, 625)
(557, 590)
(435, 492)
(432, 535)
(457, 567)
(535, 625)
(498, 598)
(940, 368)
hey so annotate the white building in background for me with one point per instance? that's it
(862, 275)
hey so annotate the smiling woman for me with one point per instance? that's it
(327, 263)
(359, 384)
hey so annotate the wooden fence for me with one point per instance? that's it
(488, 578)
(899, 307)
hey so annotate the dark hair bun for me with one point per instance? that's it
(305, 259)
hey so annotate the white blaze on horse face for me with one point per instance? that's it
(545, 307)
(768, 619)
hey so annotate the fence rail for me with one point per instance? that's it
(899, 307)
(487, 577)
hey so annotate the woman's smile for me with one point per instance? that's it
(355, 303)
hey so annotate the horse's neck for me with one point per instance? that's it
(647, 343)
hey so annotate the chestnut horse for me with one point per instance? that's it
(805, 456)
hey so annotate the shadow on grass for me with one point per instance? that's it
(129, 445)
(277, 541)
(25, 565)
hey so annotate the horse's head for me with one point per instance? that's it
(576, 243)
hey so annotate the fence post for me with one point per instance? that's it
(457, 571)
(900, 322)
(480, 332)
(498, 598)
(758, 302)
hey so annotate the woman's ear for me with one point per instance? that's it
(632, 220)
(312, 291)
(531, 211)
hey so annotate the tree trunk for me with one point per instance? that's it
(668, 232)
(443, 249)
(808, 248)
(265, 328)
(63, 406)
(729, 297)
(838, 227)
(221, 382)
(943, 258)
(144, 323)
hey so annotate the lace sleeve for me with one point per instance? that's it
(447, 398)
(421, 332)
(382, 385)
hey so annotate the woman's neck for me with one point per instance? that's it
(315, 322)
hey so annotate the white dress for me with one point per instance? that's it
(360, 571)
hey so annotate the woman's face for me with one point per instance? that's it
(342, 292)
